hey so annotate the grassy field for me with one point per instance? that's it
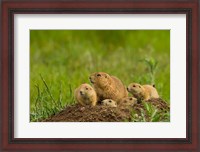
(61, 60)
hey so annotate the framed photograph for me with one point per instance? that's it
(100, 76)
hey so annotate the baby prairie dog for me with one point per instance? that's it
(108, 87)
(146, 92)
(128, 101)
(109, 102)
(85, 95)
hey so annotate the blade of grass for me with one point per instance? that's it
(38, 96)
(71, 93)
(60, 96)
(48, 90)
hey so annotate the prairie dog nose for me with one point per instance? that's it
(90, 78)
(81, 92)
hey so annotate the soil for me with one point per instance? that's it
(100, 113)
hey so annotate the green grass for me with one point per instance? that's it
(152, 114)
(61, 60)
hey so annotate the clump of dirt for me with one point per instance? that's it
(78, 113)
(159, 104)
(100, 113)
(142, 113)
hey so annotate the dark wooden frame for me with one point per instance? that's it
(189, 7)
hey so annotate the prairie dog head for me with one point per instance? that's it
(100, 79)
(85, 90)
(129, 101)
(135, 88)
(109, 102)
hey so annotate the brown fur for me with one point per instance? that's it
(145, 92)
(128, 101)
(109, 102)
(85, 95)
(108, 87)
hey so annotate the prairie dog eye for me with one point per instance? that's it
(131, 98)
(105, 76)
(98, 75)
(134, 86)
(86, 88)
(110, 101)
(139, 86)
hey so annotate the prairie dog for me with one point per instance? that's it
(128, 101)
(109, 102)
(85, 95)
(108, 87)
(145, 92)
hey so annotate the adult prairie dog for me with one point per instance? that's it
(146, 92)
(108, 87)
(85, 95)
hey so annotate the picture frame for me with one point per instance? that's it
(188, 7)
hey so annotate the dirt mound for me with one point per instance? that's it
(151, 110)
(100, 113)
(78, 113)
(159, 104)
